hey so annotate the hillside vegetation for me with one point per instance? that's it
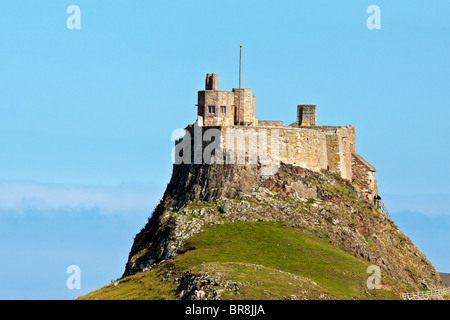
(225, 232)
(252, 260)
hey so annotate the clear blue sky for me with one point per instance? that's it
(86, 115)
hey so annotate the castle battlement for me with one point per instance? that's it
(234, 126)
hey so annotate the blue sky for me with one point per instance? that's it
(86, 115)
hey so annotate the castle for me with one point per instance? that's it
(302, 143)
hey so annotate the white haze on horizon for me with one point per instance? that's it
(18, 196)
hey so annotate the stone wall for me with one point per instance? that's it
(315, 148)
(220, 108)
(246, 115)
(220, 101)
(304, 148)
(269, 123)
(363, 175)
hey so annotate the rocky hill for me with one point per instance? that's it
(446, 278)
(227, 232)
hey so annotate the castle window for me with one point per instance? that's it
(223, 109)
(212, 109)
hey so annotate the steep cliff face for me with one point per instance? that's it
(322, 205)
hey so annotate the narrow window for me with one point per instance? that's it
(211, 109)
(223, 109)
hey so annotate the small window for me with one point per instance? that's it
(211, 109)
(223, 109)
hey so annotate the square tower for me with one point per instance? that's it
(246, 114)
(223, 108)
(215, 107)
(306, 115)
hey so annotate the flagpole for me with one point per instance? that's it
(239, 101)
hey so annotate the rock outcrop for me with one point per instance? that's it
(319, 203)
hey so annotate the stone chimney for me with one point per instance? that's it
(306, 115)
(212, 82)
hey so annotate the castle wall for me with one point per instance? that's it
(364, 175)
(328, 147)
(333, 157)
(339, 145)
(297, 146)
(269, 123)
(341, 141)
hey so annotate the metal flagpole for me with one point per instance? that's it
(239, 101)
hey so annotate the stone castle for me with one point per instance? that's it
(302, 143)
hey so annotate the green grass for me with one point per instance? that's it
(200, 205)
(146, 285)
(266, 283)
(277, 246)
(234, 249)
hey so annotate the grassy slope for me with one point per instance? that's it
(255, 253)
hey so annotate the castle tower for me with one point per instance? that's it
(220, 108)
(246, 114)
(306, 115)
(215, 107)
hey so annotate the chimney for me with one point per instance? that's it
(306, 115)
(212, 82)
(208, 78)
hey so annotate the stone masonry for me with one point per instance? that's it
(302, 143)
(306, 115)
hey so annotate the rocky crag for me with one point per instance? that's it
(320, 204)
